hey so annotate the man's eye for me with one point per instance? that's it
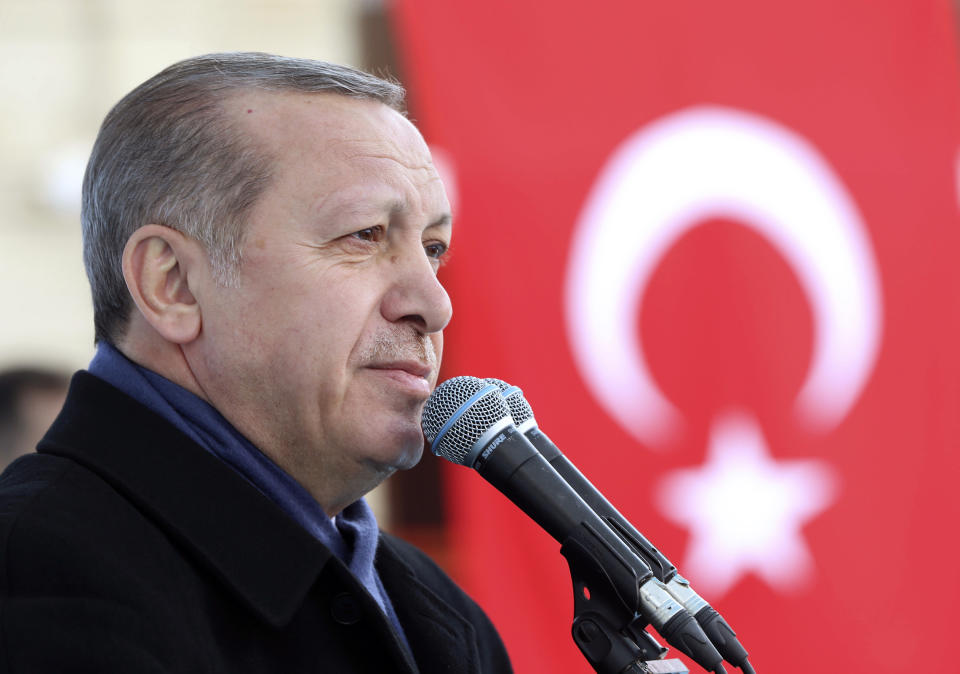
(435, 250)
(370, 234)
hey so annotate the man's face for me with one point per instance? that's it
(325, 353)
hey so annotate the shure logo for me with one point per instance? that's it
(493, 445)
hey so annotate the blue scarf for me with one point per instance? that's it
(352, 536)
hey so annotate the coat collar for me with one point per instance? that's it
(237, 532)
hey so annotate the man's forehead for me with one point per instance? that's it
(350, 154)
(291, 119)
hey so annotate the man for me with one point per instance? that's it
(262, 237)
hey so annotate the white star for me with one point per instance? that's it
(745, 510)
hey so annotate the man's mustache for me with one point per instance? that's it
(400, 344)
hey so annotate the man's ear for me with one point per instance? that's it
(157, 262)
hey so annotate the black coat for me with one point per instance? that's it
(125, 547)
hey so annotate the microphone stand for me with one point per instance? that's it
(611, 638)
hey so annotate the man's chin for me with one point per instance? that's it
(410, 456)
(398, 452)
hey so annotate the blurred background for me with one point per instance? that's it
(716, 244)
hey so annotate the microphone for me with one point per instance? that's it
(467, 422)
(720, 633)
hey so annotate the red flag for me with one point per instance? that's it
(717, 247)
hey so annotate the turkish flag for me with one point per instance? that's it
(717, 246)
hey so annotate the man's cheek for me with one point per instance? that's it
(438, 351)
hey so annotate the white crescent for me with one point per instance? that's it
(671, 175)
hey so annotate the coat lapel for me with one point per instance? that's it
(259, 552)
(441, 638)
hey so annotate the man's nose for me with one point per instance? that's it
(416, 294)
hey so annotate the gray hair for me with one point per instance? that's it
(167, 154)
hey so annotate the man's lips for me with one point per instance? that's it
(413, 376)
(412, 367)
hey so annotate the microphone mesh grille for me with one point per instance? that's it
(519, 408)
(458, 443)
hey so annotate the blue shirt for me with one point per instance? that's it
(352, 536)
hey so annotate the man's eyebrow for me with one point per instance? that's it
(398, 206)
(443, 220)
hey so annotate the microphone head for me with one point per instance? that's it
(459, 414)
(519, 408)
